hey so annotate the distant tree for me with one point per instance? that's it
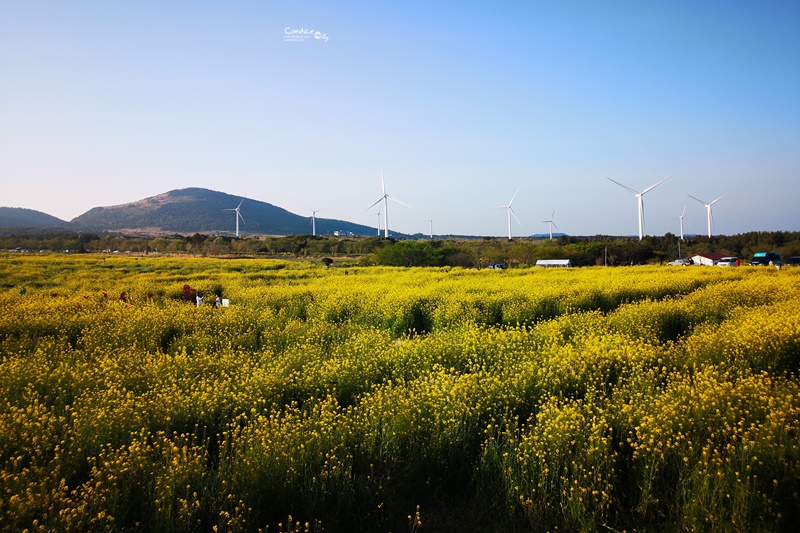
(197, 238)
(411, 253)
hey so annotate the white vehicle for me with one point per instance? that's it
(683, 261)
(727, 262)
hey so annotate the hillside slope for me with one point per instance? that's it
(28, 218)
(197, 210)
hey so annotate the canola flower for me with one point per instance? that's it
(574, 399)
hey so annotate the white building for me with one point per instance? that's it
(707, 259)
(563, 263)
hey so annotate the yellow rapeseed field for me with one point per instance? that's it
(635, 398)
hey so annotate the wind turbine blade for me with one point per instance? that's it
(240, 216)
(392, 198)
(657, 184)
(512, 198)
(514, 215)
(624, 187)
(240, 204)
(717, 200)
(554, 225)
(383, 183)
(698, 199)
(684, 211)
(379, 200)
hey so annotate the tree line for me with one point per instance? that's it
(469, 253)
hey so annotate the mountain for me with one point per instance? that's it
(12, 217)
(197, 210)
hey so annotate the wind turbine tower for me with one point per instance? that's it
(314, 221)
(708, 210)
(639, 201)
(431, 228)
(385, 199)
(681, 218)
(551, 224)
(510, 212)
(238, 216)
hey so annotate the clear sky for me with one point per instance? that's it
(462, 103)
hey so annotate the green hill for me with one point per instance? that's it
(18, 217)
(196, 210)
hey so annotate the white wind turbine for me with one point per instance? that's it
(679, 240)
(639, 201)
(314, 220)
(238, 216)
(510, 211)
(385, 199)
(708, 210)
(552, 224)
(379, 222)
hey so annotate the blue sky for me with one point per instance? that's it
(462, 103)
